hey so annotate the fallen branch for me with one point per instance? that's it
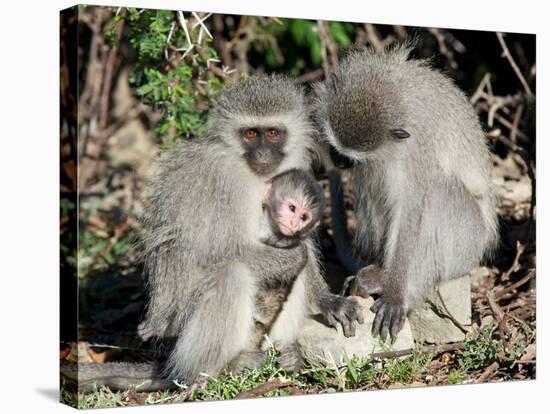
(436, 349)
(515, 285)
(488, 372)
(265, 388)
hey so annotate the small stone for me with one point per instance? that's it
(325, 345)
(433, 325)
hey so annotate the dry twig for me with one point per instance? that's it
(506, 54)
(265, 388)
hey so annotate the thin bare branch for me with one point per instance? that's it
(506, 54)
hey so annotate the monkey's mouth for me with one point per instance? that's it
(261, 168)
(285, 230)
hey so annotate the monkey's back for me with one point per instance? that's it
(446, 145)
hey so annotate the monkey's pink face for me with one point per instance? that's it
(292, 217)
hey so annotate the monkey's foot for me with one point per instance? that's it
(367, 282)
(389, 319)
(290, 358)
(344, 310)
(253, 359)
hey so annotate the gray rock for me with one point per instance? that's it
(327, 345)
(430, 322)
(131, 146)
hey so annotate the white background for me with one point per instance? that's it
(29, 204)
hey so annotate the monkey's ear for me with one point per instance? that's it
(399, 133)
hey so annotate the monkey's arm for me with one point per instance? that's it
(280, 242)
(405, 251)
(276, 263)
(334, 308)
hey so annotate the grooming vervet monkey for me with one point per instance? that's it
(293, 206)
(421, 176)
(205, 260)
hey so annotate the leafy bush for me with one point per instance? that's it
(173, 69)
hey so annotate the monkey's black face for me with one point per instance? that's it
(263, 148)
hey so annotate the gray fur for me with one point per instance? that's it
(425, 204)
(205, 260)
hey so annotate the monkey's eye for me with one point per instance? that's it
(399, 133)
(303, 217)
(292, 207)
(272, 134)
(250, 134)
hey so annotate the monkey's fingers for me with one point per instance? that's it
(389, 319)
(378, 319)
(398, 321)
(360, 318)
(385, 329)
(348, 327)
(355, 311)
(332, 321)
(376, 305)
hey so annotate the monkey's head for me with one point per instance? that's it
(360, 111)
(294, 203)
(265, 120)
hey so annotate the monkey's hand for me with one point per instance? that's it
(390, 317)
(367, 282)
(339, 309)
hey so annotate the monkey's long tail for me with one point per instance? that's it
(339, 223)
(115, 375)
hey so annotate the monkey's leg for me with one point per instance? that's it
(276, 264)
(163, 304)
(220, 327)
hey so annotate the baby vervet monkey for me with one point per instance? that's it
(421, 175)
(293, 205)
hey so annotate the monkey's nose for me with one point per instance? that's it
(260, 155)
